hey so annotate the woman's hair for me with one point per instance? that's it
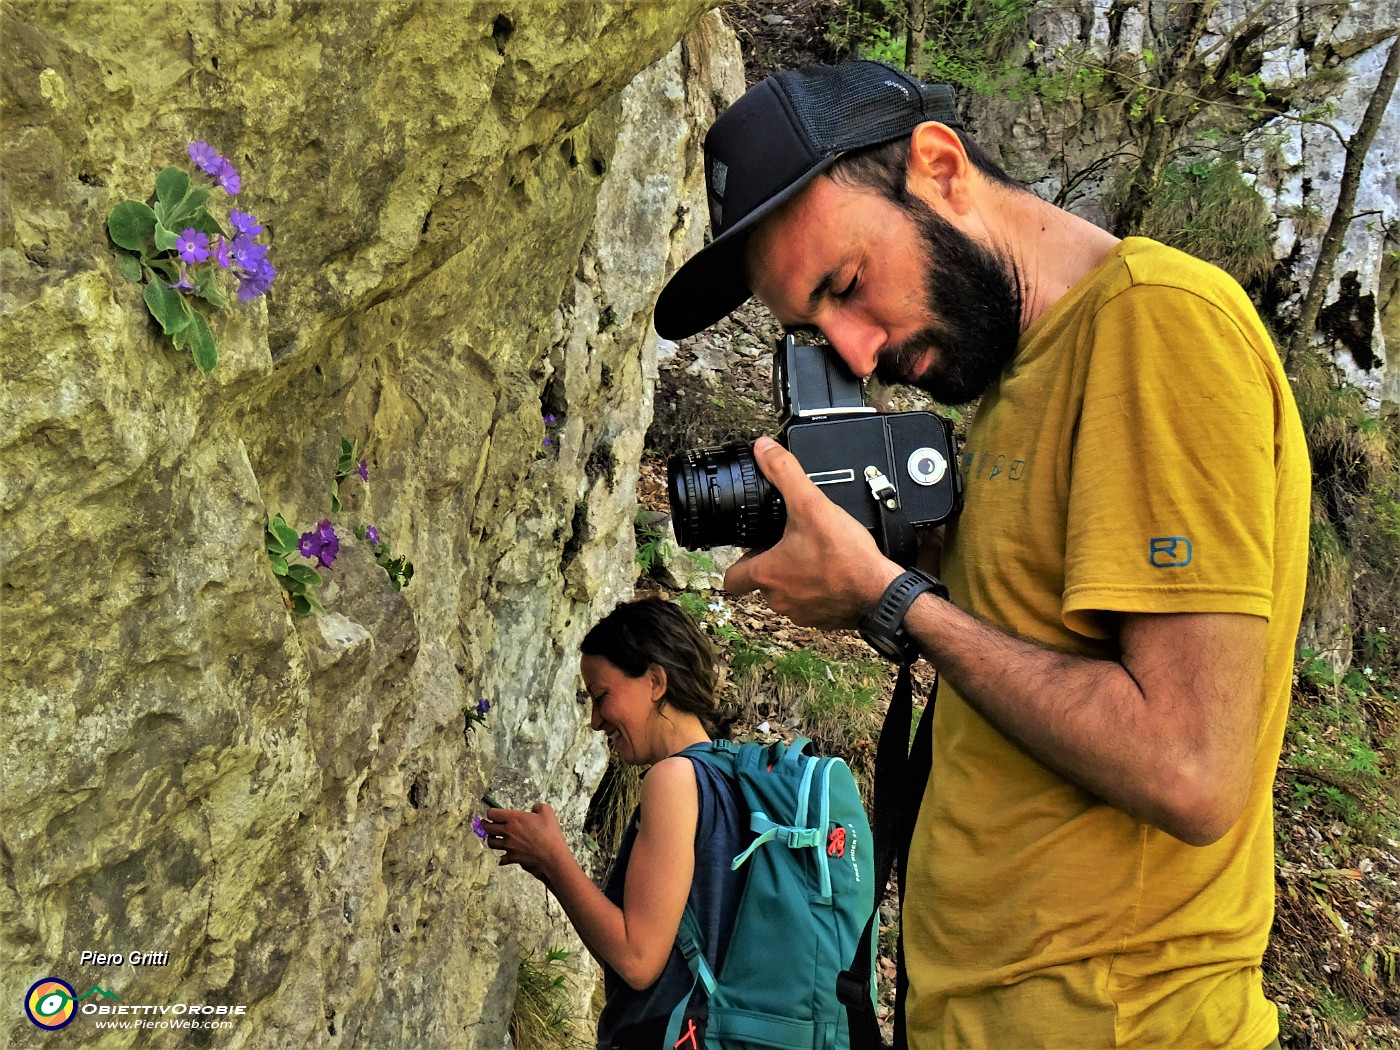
(654, 632)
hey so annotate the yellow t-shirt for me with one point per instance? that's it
(1143, 453)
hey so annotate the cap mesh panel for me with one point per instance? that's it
(860, 104)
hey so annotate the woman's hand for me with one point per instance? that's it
(531, 839)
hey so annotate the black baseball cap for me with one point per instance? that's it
(779, 136)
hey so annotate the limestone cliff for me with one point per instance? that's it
(1325, 59)
(471, 207)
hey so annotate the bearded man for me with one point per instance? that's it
(1092, 864)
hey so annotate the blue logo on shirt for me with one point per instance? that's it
(1169, 552)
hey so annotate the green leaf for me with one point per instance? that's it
(206, 353)
(184, 211)
(171, 185)
(278, 563)
(165, 238)
(181, 339)
(130, 266)
(335, 498)
(207, 224)
(131, 225)
(315, 604)
(207, 288)
(286, 536)
(304, 574)
(292, 585)
(301, 605)
(168, 269)
(167, 306)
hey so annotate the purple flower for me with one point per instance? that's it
(192, 245)
(482, 706)
(244, 222)
(549, 419)
(255, 282)
(205, 157)
(223, 252)
(183, 284)
(247, 251)
(363, 470)
(227, 176)
(322, 544)
(479, 828)
(547, 442)
(372, 534)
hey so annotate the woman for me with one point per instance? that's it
(651, 675)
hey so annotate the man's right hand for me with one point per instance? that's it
(827, 570)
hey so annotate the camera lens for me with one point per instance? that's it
(720, 498)
(927, 466)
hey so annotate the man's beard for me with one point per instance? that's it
(974, 296)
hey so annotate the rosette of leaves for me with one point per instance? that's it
(175, 246)
(295, 578)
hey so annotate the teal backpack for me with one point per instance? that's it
(808, 895)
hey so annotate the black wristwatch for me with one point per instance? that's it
(883, 626)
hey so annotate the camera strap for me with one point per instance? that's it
(894, 531)
(901, 774)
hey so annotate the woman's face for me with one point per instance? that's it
(624, 708)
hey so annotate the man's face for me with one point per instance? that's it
(896, 289)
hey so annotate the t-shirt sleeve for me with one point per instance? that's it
(1171, 505)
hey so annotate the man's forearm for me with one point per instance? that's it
(1149, 753)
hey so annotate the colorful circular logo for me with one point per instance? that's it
(50, 1003)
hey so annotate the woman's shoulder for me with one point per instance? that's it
(672, 778)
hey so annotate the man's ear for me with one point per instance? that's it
(938, 166)
(657, 674)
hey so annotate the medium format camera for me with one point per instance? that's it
(719, 497)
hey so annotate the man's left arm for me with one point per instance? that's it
(1166, 733)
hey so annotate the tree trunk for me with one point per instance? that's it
(915, 32)
(1356, 149)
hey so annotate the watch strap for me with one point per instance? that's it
(883, 626)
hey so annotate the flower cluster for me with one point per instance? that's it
(295, 578)
(476, 716)
(479, 828)
(176, 247)
(549, 424)
(321, 544)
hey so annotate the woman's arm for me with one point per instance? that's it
(636, 939)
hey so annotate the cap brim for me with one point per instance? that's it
(713, 282)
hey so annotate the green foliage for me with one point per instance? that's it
(147, 236)
(296, 578)
(835, 702)
(1205, 208)
(651, 544)
(1332, 736)
(653, 548)
(542, 1016)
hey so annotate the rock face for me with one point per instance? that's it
(471, 208)
(1327, 58)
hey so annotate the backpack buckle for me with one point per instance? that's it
(803, 838)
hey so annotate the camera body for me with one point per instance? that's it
(719, 496)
